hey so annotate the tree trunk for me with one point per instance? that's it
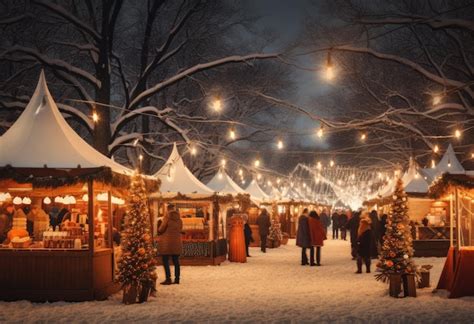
(102, 134)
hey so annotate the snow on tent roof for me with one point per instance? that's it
(449, 163)
(176, 178)
(221, 182)
(413, 181)
(256, 192)
(41, 136)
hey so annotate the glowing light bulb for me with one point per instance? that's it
(472, 155)
(135, 142)
(331, 163)
(232, 134)
(259, 176)
(243, 182)
(457, 133)
(278, 181)
(280, 144)
(437, 100)
(257, 163)
(241, 172)
(449, 164)
(320, 132)
(193, 150)
(433, 164)
(319, 165)
(217, 105)
(269, 183)
(95, 117)
(140, 157)
(436, 149)
(223, 162)
(363, 137)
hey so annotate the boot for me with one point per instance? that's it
(176, 281)
(166, 282)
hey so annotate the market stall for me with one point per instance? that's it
(458, 189)
(59, 199)
(199, 206)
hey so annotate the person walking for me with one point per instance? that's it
(247, 234)
(263, 222)
(303, 238)
(375, 226)
(335, 225)
(325, 220)
(353, 227)
(170, 243)
(318, 235)
(343, 225)
(364, 243)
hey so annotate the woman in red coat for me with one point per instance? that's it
(318, 235)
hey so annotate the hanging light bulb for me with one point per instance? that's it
(472, 155)
(220, 176)
(331, 163)
(216, 104)
(259, 176)
(232, 134)
(223, 162)
(241, 172)
(329, 69)
(85, 197)
(436, 149)
(26, 201)
(47, 200)
(278, 181)
(457, 133)
(243, 181)
(280, 144)
(269, 183)
(437, 99)
(135, 142)
(140, 157)
(95, 117)
(193, 150)
(433, 164)
(17, 201)
(257, 163)
(319, 165)
(320, 132)
(363, 137)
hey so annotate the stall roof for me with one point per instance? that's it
(223, 183)
(256, 192)
(42, 137)
(449, 163)
(413, 181)
(177, 179)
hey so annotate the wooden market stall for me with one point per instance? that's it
(204, 240)
(45, 165)
(260, 200)
(458, 189)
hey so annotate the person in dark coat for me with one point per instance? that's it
(170, 243)
(247, 234)
(353, 227)
(375, 226)
(303, 237)
(364, 243)
(383, 227)
(343, 225)
(325, 220)
(263, 222)
(318, 235)
(335, 225)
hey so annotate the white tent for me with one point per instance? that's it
(42, 137)
(222, 183)
(176, 178)
(448, 164)
(255, 192)
(413, 181)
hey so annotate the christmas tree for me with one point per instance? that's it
(275, 235)
(137, 266)
(397, 249)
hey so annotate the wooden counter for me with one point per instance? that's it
(56, 274)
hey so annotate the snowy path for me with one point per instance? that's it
(270, 287)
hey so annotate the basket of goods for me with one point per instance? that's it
(21, 242)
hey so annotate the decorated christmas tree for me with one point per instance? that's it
(275, 235)
(397, 249)
(137, 266)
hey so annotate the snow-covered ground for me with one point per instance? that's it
(270, 287)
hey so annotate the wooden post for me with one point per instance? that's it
(109, 223)
(90, 222)
(451, 221)
(458, 219)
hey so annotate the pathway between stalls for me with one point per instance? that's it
(270, 287)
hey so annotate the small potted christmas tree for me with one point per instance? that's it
(397, 250)
(137, 265)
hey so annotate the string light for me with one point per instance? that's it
(329, 70)
(331, 163)
(241, 172)
(193, 150)
(363, 137)
(319, 165)
(140, 157)
(437, 100)
(257, 163)
(135, 142)
(278, 181)
(457, 133)
(232, 133)
(217, 104)
(436, 149)
(223, 162)
(280, 144)
(269, 183)
(259, 176)
(320, 132)
(95, 117)
(433, 164)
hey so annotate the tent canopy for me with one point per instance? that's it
(256, 192)
(223, 183)
(177, 179)
(42, 137)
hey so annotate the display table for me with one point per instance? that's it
(458, 280)
(56, 274)
(202, 252)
